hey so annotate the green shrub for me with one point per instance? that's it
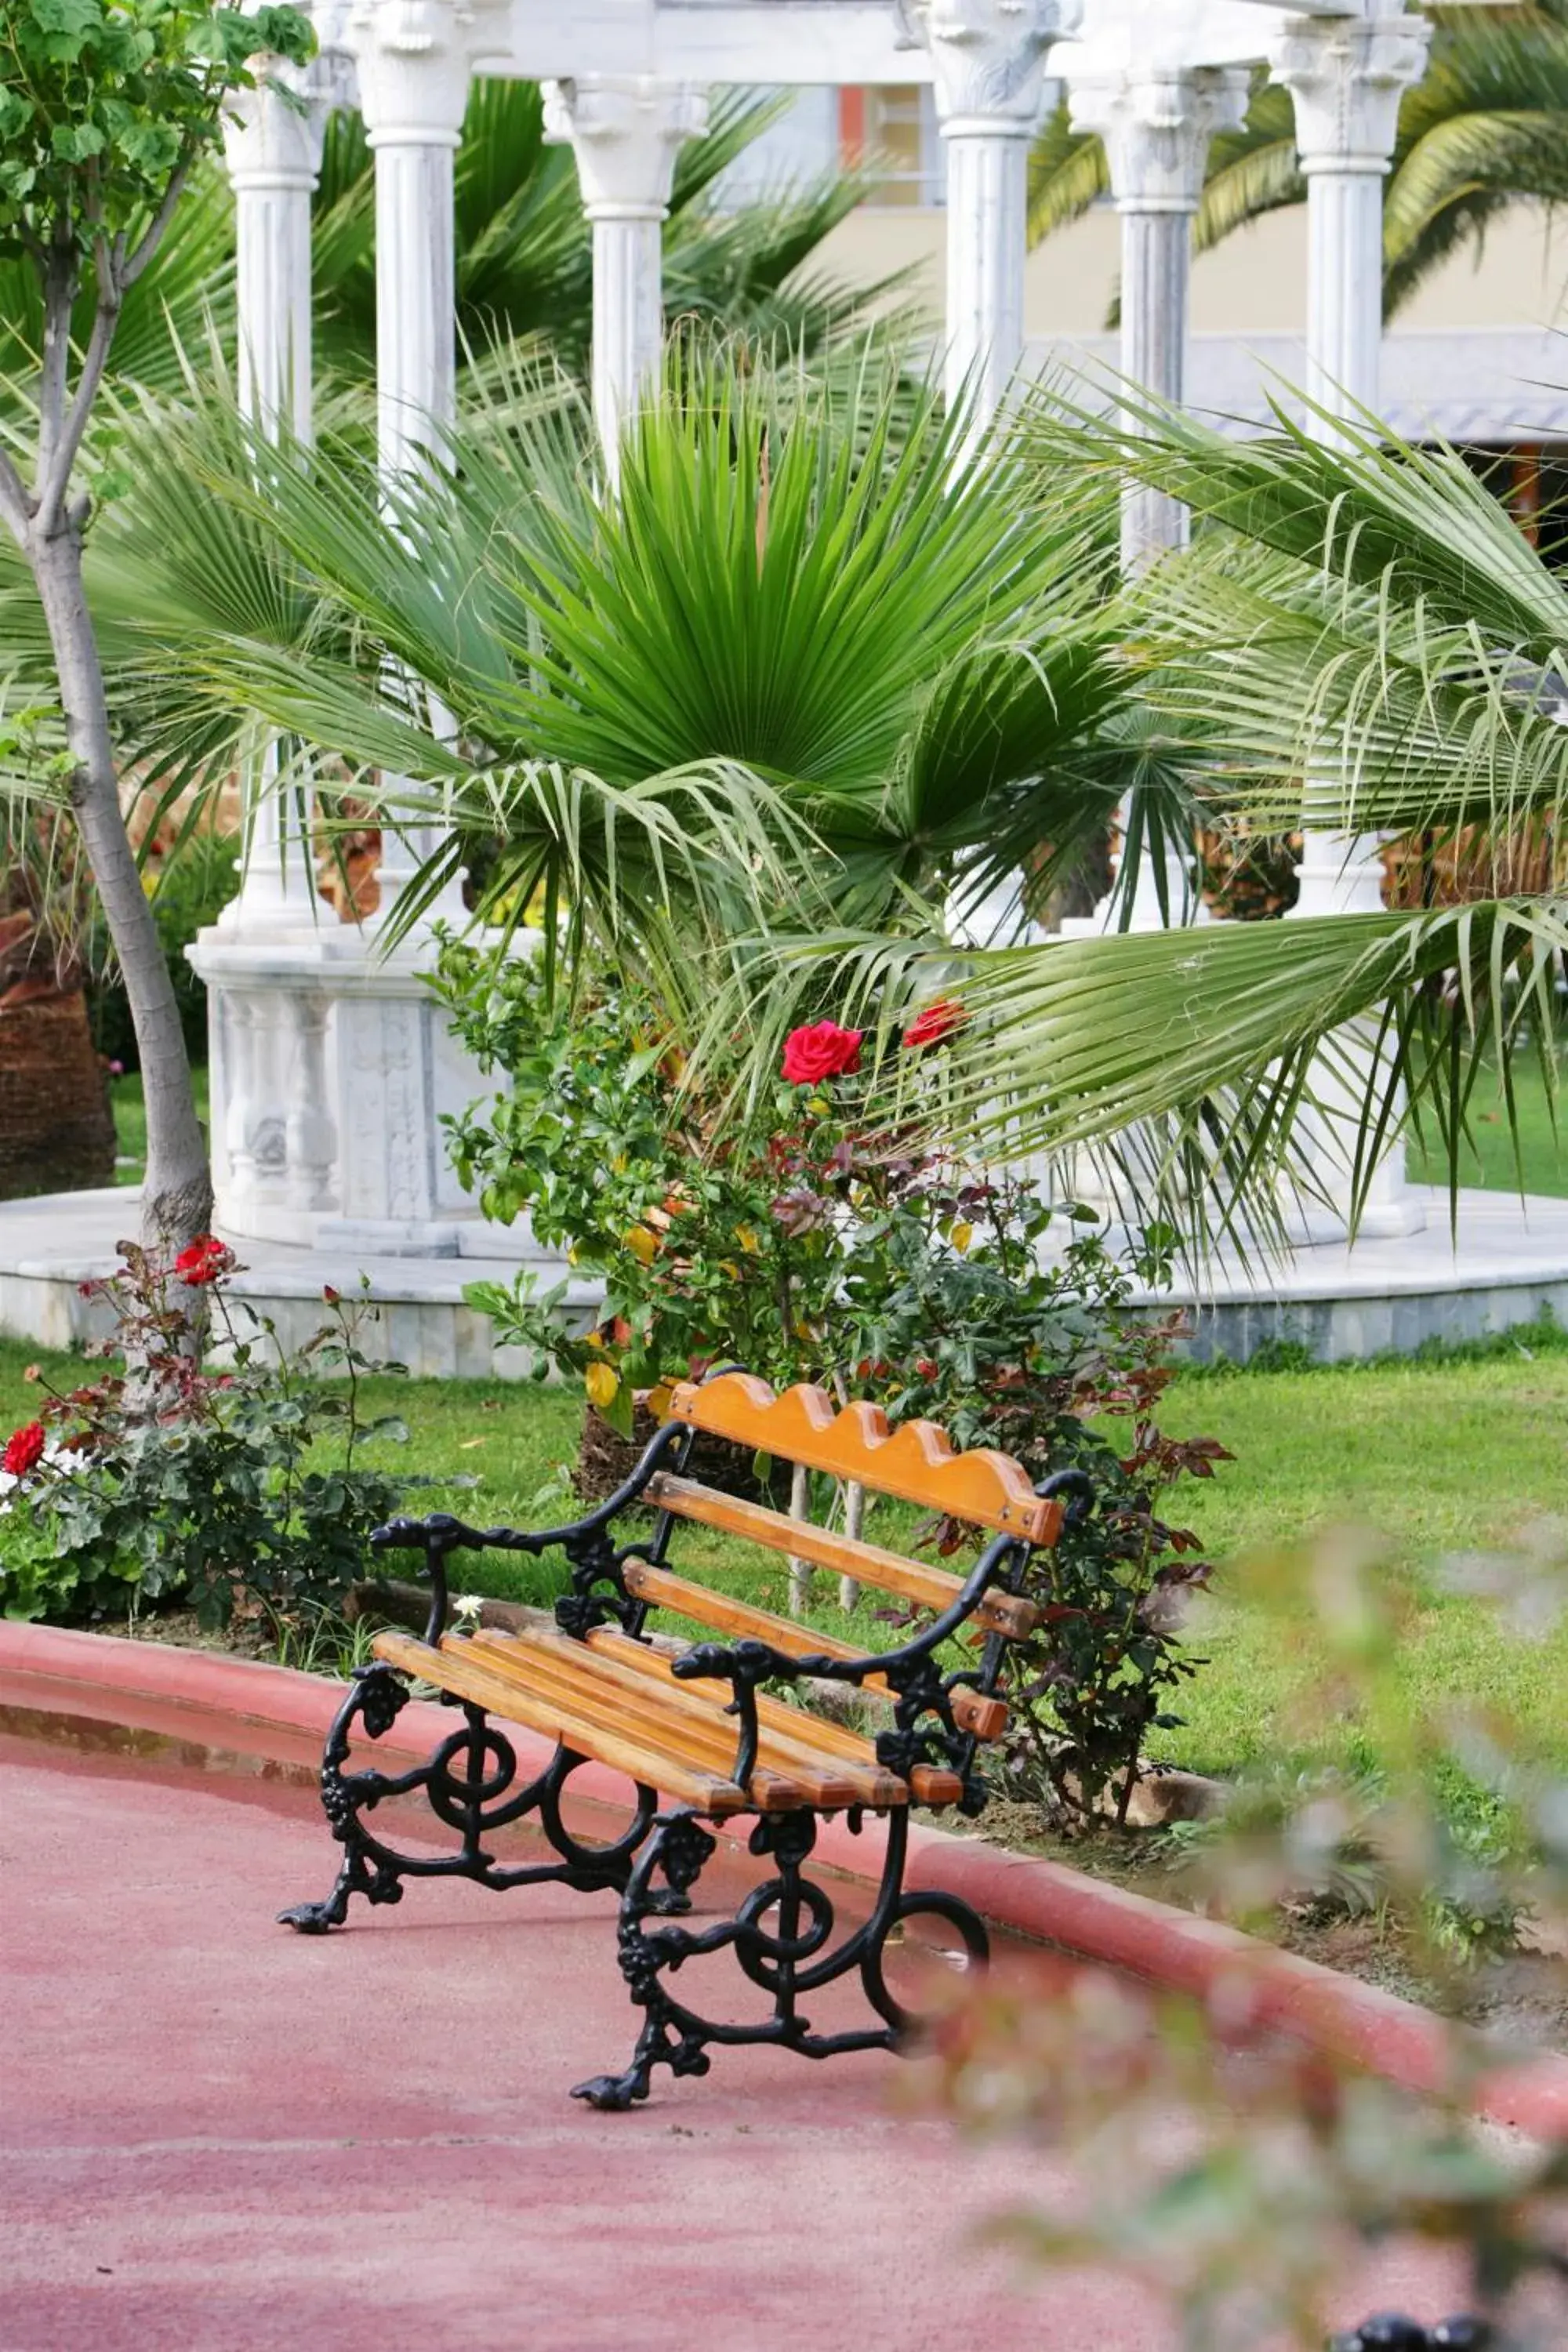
(236, 1490)
(812, 1243)
(41, 1578)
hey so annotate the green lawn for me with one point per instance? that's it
(1489, 1162)
(1441, 1456)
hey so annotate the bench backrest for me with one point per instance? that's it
(916, 1463)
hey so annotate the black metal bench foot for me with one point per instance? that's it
(470, 1785)
(614, 2094)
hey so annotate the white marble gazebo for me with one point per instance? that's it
(330, 1064)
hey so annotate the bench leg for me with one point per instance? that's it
(677, 1851)
(782, 1938)
(470, 1784)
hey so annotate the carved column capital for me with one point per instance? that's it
(272, 133)
(413, 61)
(1157, 128)
(625, 132)
(1346, 77)
(988, 57)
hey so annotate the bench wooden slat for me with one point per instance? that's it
(790, 1737)
(711, 1793)
(930, 1783)
(915, 1461)
(699, 1739)
(787, 1775)
(849, 1772)
(933, 1588)
(985, 1717)
(789, 1745)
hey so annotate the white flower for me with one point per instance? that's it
(467, 1606)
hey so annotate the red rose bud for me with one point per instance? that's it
(24, 1450)
(821, 1050)
(940, 1018)
(330, 1296)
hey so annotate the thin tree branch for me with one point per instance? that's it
(63, 451)
(131, 271)
(60, 273)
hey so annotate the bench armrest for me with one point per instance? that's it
(581, 1540)
(757, 1661)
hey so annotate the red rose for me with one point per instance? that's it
(941, 1017)
(207, 1259)
(822, 1050)
(24, 1450)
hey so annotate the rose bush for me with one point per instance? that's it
(231, 1489)
(816, 1245)
(708, 1243)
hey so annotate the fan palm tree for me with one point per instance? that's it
(1368, 620)
(1485, 129)
(785, 608)
(757, 721)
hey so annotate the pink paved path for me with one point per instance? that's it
(218, 2137)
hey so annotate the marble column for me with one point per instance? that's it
(1346, 78)
(988, 66)
(272, 149)
(625, 134)
(414, 60)
(1157, 128)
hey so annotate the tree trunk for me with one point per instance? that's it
(176, 1196)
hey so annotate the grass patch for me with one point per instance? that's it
(1440, 1456)
(1487, 1162)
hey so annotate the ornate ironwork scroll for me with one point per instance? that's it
(470, 1785)
(781, 1937)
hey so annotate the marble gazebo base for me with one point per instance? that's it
(1507, 1264)
(50, 1245)
(1510, 1263)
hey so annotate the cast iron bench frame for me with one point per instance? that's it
(788, 1768)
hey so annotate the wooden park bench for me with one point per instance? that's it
(700, 1726)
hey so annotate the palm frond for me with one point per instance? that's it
(1068, 173)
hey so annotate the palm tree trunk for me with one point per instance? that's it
(57, 1131)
